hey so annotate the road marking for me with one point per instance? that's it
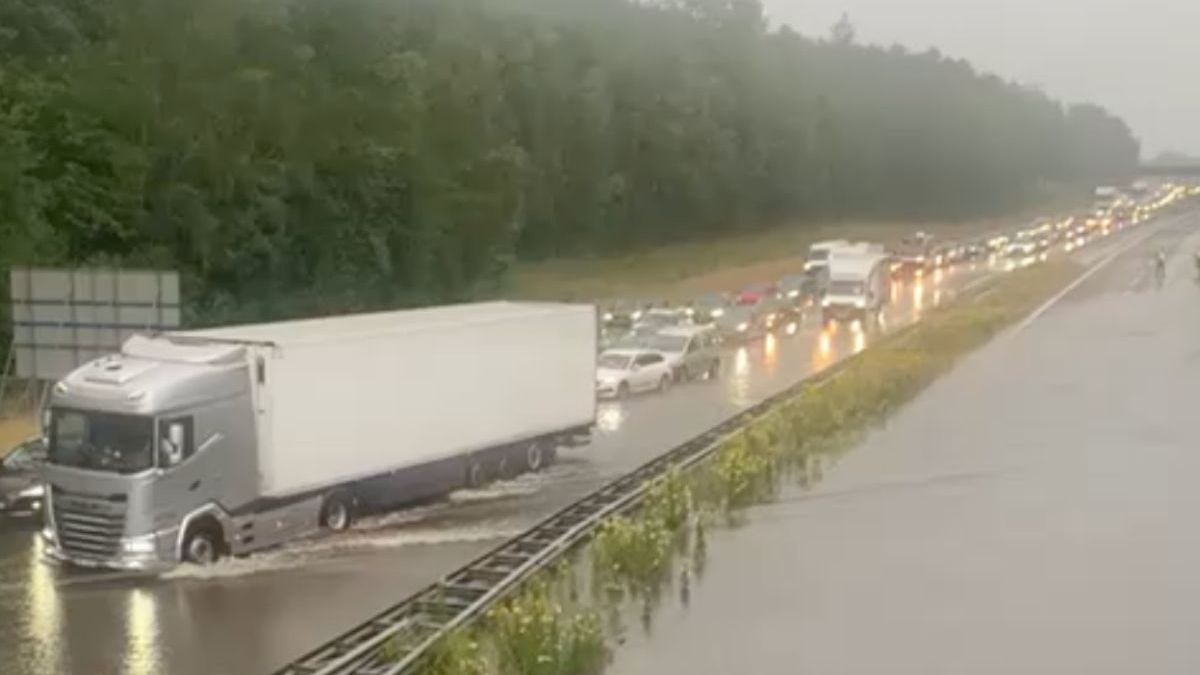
(1087, 274)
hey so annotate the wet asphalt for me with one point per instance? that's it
(251, 616)
(1032, 512)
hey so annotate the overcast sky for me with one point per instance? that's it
(1138, 58)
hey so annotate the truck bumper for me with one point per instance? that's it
(159, 558)
(842, 313)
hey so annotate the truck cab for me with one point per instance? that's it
(146, 449)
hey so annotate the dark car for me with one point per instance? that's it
(21, 478)
(708, 308)
(794, 292)
(742, 323)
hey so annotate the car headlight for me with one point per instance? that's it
(743, 327)
(717, 313)
(825, 302)
(33, 492)
(793, 293)
(636, 315)
(139, 545)
(608, 316)
(860, 303)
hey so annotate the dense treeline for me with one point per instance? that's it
(293, 156)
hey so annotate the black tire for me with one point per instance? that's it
(476, 473)
(203, 544)
(537, 456)
(714, 370)
(623, 391)
(337, 513)
(507, 465)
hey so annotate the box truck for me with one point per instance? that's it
(858, 280)
(192, 445)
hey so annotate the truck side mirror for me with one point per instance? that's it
(175, 435)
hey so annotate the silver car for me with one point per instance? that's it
(690, 351)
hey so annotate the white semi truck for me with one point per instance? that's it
(192, 445)
(858, 280)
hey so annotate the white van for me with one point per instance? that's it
(857, 286)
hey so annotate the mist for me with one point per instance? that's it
(1138, 58)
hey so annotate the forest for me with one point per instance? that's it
(293, 157)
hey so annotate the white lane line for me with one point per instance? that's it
(1087, 274)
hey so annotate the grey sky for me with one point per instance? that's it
(1139, 58)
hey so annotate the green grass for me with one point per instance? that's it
(550, 628)
(693, 268)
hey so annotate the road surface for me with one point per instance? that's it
(252, 616)
(1033, 512)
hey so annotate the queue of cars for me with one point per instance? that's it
(840, 279)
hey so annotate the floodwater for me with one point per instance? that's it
(253, 615)
(1033, 512)
(250, 616)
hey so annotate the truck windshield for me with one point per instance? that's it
(818, 254)
(846, 288)
(101, 441)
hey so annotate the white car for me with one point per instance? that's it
(621, 372)
(658, 318)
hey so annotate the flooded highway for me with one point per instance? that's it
(1032, 512)
(252, 615)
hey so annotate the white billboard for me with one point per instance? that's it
(63, 318)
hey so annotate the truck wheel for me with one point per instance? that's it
(536, 457)
(476, 473)
(337, 513)
(202, 545)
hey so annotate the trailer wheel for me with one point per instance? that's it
(476, 473)
(337, 513)
(203, 544)
(536, 457)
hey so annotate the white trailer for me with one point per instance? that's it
(231, 439)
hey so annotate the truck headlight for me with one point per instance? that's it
(139, 545)
(860, 303)
(33, 492)
(49, 535)
(825, 302)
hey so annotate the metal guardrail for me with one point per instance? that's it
(394, 641)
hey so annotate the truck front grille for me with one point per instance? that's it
(89, 527)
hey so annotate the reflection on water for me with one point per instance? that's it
(918, 297)
(937, 297)
(770, 352)
(609, 417)
(45, 612)
(860, 338)
(938, 275)
(896, 288)
(142, 655)
(739, 384)
(823, 355)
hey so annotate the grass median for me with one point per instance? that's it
(568, 619)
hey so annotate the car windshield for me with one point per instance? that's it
(818, 254)
(614, 361)
(667, 343)
(846, 288)
(101, 441)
